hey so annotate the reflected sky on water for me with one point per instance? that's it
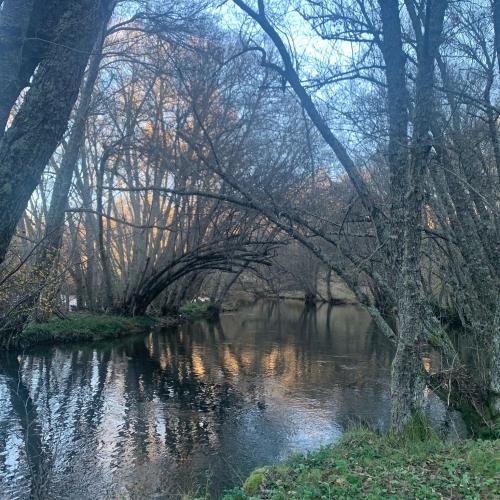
(198, 406)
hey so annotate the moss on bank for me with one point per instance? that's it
(81, 327)
(365, 465)
(196, 310)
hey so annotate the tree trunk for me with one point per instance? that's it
(14, 22)
(406, 383)
(108, 290)
(41, 121)
(58, 204)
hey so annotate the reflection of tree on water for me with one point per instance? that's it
(240, 391)
(300, 337)
(198, 408)
(25, 413)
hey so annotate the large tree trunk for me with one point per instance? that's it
(14, 22)
(494, 368)
(27, 31)
(397, 111)
(406, 383)
(496, 22)
(41, 121)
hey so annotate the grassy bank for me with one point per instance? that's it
(365, 465)
(85, 326)
(196, 310)
(81, 327)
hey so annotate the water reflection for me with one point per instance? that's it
(203, 404)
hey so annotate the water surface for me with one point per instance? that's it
(199, 406)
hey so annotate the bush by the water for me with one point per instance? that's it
(81, 326)
(195, 310)
(364, 464)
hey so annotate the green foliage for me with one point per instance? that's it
(254, 481)
(417, 429)
(81, 326)
(198, 310)
(364, 464)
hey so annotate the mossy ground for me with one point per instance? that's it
(196, 310)
(81, 327)
(366, 465)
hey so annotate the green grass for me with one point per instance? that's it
(366, 465)
(80, 327)
(194, 310)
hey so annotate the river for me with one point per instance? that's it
(191, 409)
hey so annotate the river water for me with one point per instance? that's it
(192, 409)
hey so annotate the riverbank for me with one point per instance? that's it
(86, 326)
(364, 464)
(196, 310)
(81, 326)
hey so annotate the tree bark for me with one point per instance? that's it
(106, 270)
(397, 111)
(14, 21)
(496, 25)
(406, 381)
(27, 31)
(41, 121)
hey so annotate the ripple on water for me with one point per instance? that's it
(203, 404)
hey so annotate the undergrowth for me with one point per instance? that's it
(416, 464)
(81, 326)
(197, 310)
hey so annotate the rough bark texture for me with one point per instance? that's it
(494, 374)
(38, 126)
(14, 22)
(406, 385)
(397, 110)
(496, 22)
(28, 28)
